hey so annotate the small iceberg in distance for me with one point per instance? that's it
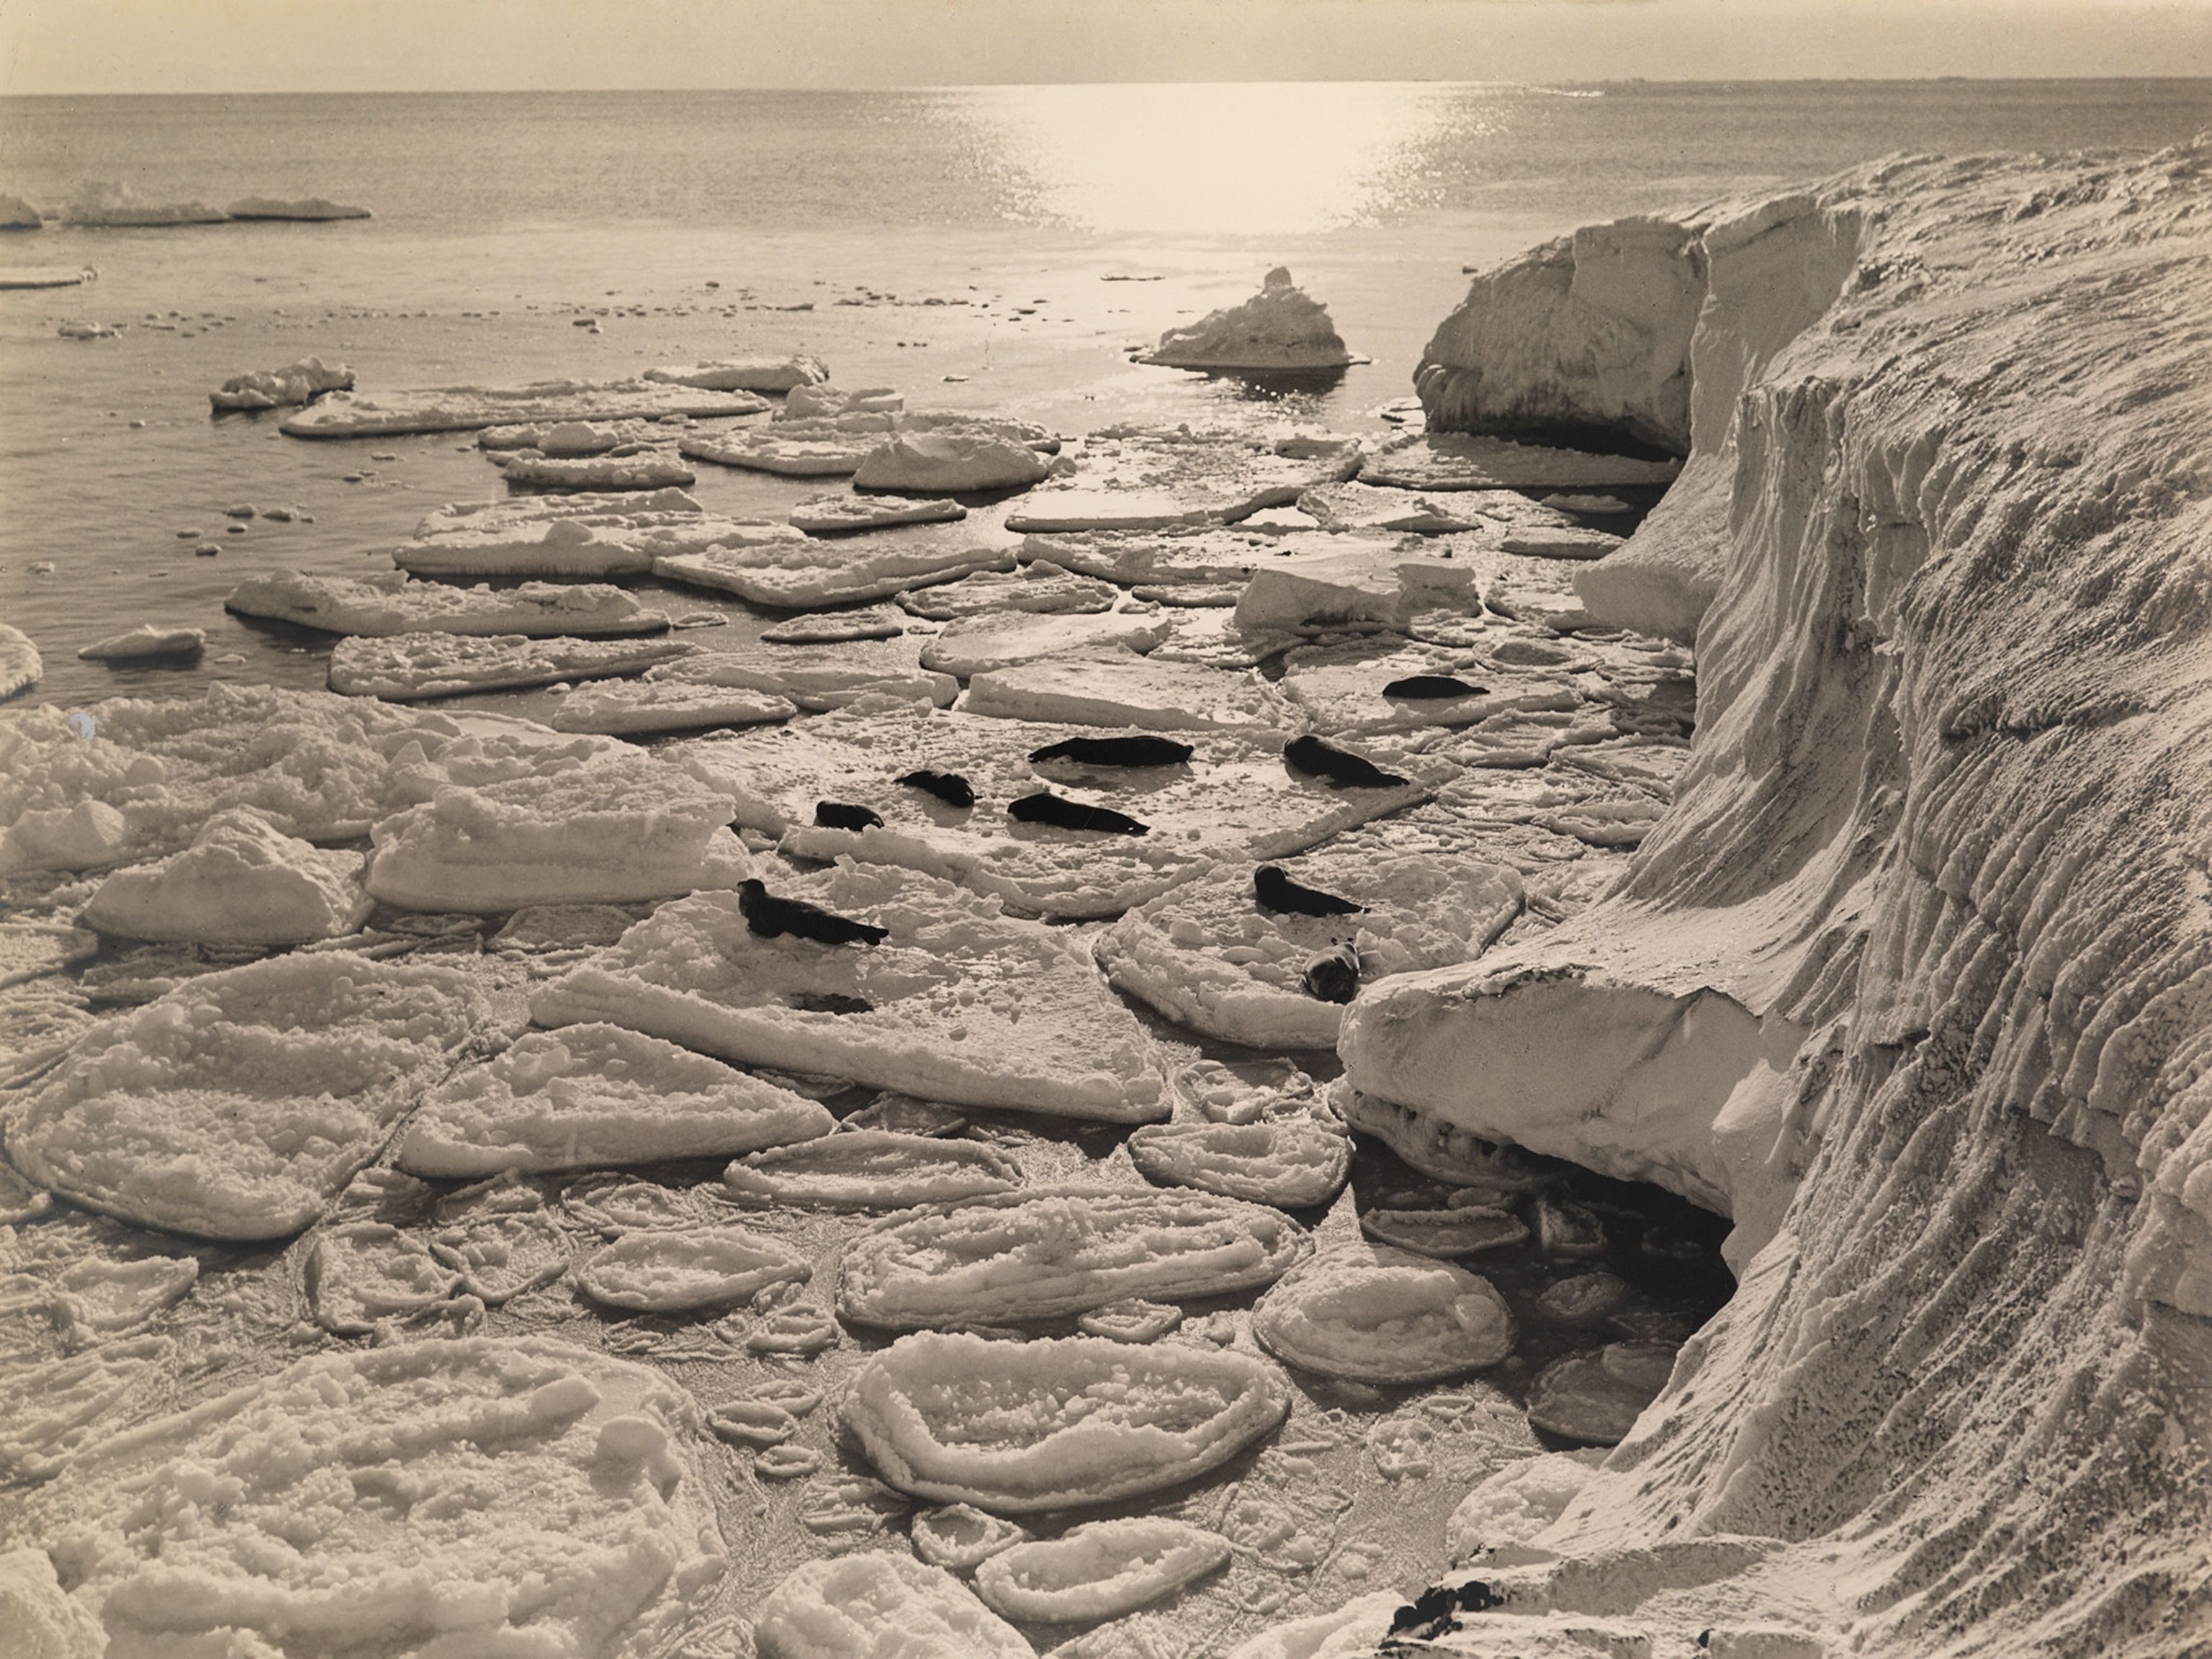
(1280, 331)
(100, 203)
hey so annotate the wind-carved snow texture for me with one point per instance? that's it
(1919, 965)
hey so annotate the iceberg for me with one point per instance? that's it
(1278, 328)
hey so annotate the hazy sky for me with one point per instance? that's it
(275, 46)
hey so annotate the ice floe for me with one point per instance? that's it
(388, 603)
(1382, 686)
(23, 277)
(592, 1095)
(1038, 585)
(872, 1169)
(400, 667)
(799, 572)
(639, 708)
(958, 1003)
(360, 1273)
(1377, 1314)
(622, 828)
(1162, 564)
(877, 1605)
(99, 202)
(1367, 507)
(21, 665)
(193, 1112)
(745, 374)
(1098, 1571)
(144, 643)
(557, 1498)
(1045, 1252)
(242, 881)
(950, 462)
(598, 474)
(793, 449)
(1595, 1399)
(1280, 328)
(1017, 1428)
(814, 680)
(1156, 477)
(1294, 1164)
(831, 515)
(299, 382)
(1216, 956)
(469, 407)
(1127, 690)
(1353, 582)
(573, 538)
(981, 644)
(678, 1271)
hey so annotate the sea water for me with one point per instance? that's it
(989, 249)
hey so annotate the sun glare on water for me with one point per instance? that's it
(1232, 159)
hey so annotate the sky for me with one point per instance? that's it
(342, 46)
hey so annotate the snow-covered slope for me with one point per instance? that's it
(1917, 973)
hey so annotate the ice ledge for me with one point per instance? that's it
(1686, 1089)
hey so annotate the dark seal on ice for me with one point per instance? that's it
(1275, 890)
(837, 815)
(1045, 807)
(1339, 768)
(948, 787)
(1429, 687)
(1140, 750)
(1334, 977)
(772, 917)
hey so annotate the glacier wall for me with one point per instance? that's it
(1944, 545)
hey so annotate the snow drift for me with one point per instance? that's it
(1915, 977)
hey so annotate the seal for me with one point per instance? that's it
(1432, 687)
(837, 815)
(1142, 749)
(772, 917)
(1272, 890)
(948, 787)
(1045, 807)
(1333, 976)
(1339, 768)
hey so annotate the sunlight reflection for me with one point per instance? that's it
(1231, 159)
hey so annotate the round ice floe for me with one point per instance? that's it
(1290, 1162)
(1376, 1315)
(613, 1206)
(1518, 1502)
(470, 1496)
(675, 1272)
(1099, 1571)
(880, 1606)
(873, 1169)
(961, 1537)
(1596, 1398)
(1020, 1255)
(595, 1095)
(1019, 1427)
(1586, 1295)
(948, 462)
(1133, 1319)
(1461, 1230)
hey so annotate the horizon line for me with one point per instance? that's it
(1538, 83)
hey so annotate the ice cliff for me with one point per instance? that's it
(1915, 978)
